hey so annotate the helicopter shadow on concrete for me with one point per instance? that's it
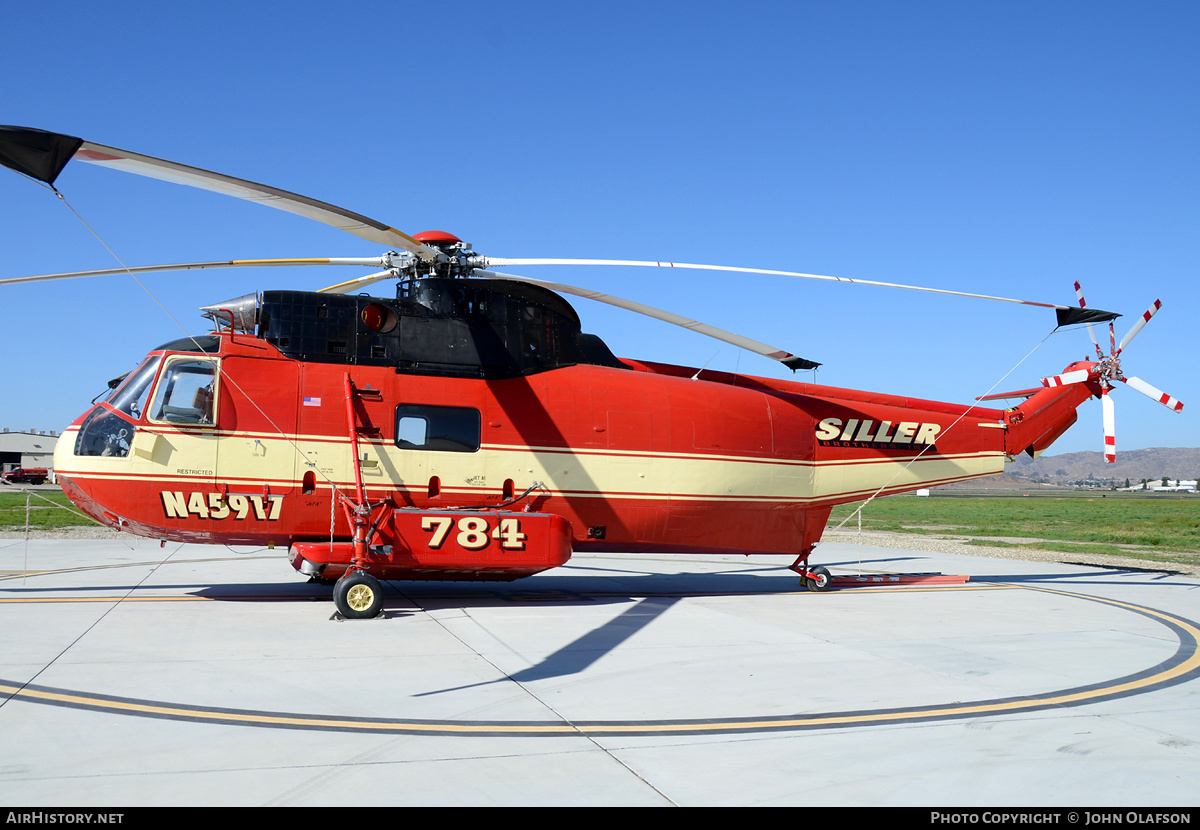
(577, 656)
(1112, 575)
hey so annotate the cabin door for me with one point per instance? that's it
(256, 423)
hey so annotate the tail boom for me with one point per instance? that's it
(1040, 420)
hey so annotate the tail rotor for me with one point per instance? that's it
(1107, 371)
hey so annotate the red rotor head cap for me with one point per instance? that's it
(436, 238)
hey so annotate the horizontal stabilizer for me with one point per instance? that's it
(1023, 393)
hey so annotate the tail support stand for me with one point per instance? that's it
(816, 579)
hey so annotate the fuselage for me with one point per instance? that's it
(644, 457)
(240, 438)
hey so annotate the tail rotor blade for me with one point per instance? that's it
(1091, 331)
(1110, 428)
(1149, 391)
(1143, 320)
(1079, 294)
(1078, 376)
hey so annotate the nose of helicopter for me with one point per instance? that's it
(64, 449)
(65, 465)
(64, 454)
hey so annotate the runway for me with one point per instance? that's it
(132, 675)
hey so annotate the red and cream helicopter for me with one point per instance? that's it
(468, 429)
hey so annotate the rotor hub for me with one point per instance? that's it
(454, 260)
(1108, 371)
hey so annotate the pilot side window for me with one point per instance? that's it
(440, 428)
(186, 392)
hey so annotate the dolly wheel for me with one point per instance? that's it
(820, 579)
(358, 596)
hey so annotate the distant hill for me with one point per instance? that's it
(1132, 464)
(1084, 467)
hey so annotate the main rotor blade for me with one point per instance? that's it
(786, 358)
(42, 155)
(370, 262)
(1067, 315)
(361, 282)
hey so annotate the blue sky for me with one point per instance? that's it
(998, 148)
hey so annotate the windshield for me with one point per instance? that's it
(130, 396)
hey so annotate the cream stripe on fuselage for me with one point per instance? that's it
(179, 457)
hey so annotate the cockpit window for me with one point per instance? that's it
(105, 434)
(186, 392)
(130, 397)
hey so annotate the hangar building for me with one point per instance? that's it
(27, 449)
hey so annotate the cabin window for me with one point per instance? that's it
(438, 428)
(186, 392)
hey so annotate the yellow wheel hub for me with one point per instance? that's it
(360, 597)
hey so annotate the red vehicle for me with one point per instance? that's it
(468, 429)
(26, 475)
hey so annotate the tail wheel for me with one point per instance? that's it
(819, 580)
(358, 596)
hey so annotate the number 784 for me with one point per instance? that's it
(474, 532)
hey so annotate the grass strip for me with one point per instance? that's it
(48, 510)
(1144, 528)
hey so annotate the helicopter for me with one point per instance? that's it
(468, 429)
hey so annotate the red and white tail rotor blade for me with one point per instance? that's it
(1173, 404)
(1066, 378)
(1143, 320)
(1091, 330)
(1110, 427)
